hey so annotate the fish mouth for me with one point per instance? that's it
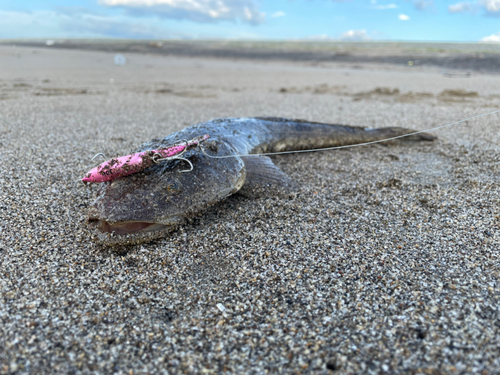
(128, 227)
(127, 232)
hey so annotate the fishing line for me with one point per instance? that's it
(105, 172)
(354, 145)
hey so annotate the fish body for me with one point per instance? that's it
(149, 204)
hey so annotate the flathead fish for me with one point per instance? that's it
(147, 205)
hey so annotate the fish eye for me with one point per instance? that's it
(173, 187)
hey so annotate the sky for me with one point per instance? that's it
(349, 20)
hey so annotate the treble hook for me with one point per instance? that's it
(176, 157)
(99, 154)
(190, 164)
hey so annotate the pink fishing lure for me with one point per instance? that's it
(129, 164)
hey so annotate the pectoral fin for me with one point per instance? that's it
(264, 178)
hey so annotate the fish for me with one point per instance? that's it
(148, 205)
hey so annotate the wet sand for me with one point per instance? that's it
(455, 58)
(386, 260)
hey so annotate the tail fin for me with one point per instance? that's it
(391, 132)
(295, 135)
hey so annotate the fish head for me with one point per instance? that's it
(147, 205)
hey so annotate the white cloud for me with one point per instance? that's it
(278, 14)
(354, 35)
(493, 38)
(491, 6)
(384, 6)
(403, 17)
(193, 10)
(462, 7)
(422, 4)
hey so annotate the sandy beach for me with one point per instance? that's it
(385, 261)
(477, 57)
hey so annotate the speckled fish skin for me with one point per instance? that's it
(149, 204)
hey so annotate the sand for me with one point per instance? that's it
(461, 57)
(385, 261)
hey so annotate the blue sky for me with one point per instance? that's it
(413, 20)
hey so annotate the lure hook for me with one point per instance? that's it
(99, 154)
